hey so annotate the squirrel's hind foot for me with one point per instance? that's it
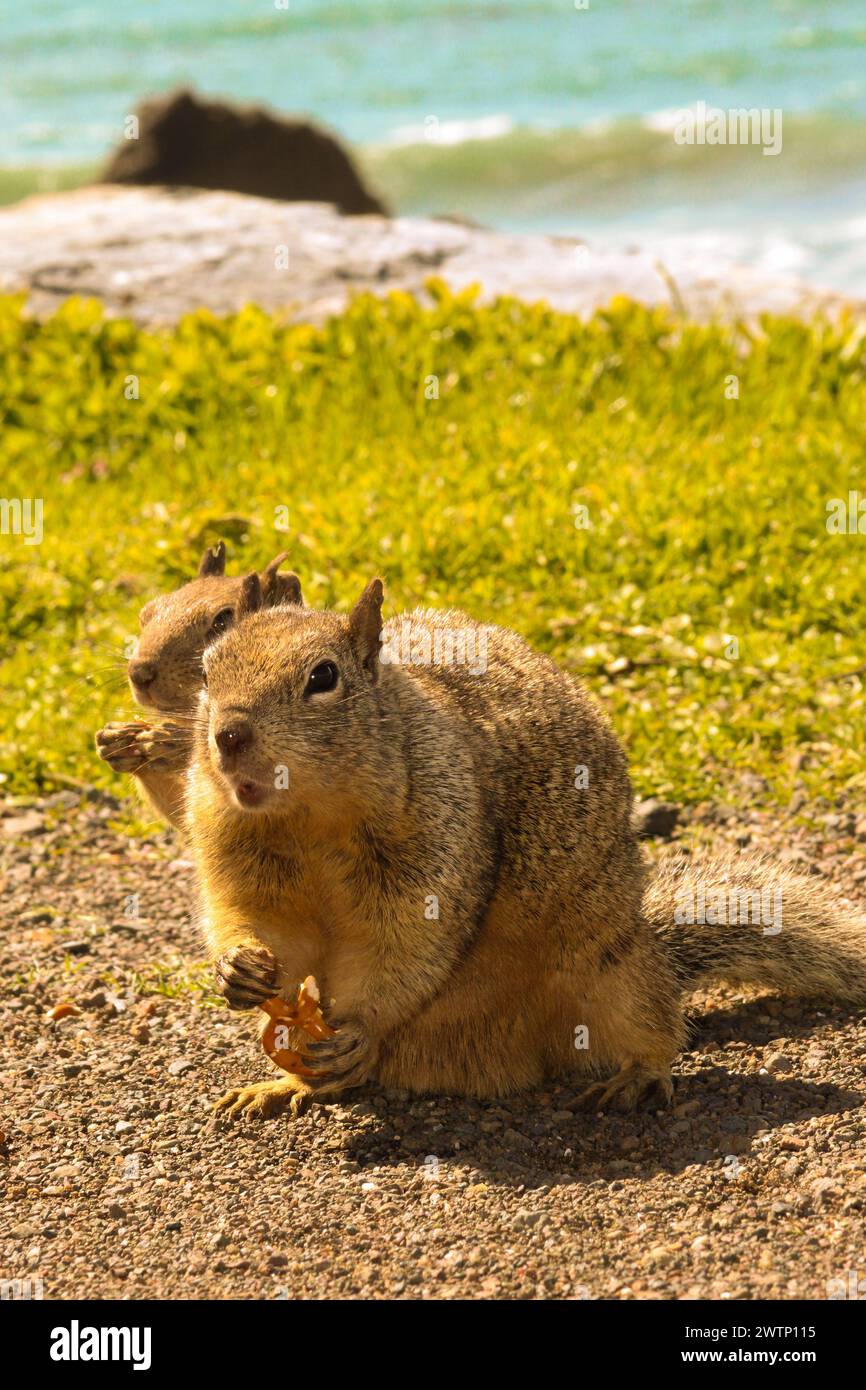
(262, 1100)
(633, 1085)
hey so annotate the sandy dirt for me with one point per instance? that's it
(117, 1185)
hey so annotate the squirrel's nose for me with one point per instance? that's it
(142, 673)
(234, 738)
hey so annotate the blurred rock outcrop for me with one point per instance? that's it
(153, 254)
(184, 140)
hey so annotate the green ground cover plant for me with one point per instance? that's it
(643, 498)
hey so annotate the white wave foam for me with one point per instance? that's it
(438, 132)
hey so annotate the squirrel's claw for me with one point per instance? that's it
(262, 1100)
(133, 747)
(246, 976)
(167, 745)
(118, 745)
(632, 1086)
(338, 1063)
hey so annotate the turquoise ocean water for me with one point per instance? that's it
(526, 114)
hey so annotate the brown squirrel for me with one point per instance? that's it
(165, 675)
(812, 946)
(450, 852)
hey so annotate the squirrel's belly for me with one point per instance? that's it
(474, 1044)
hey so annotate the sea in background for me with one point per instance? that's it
(521, 114)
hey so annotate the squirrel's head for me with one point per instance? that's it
(290, 709)
(166, 671)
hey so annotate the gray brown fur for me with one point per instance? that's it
(418, 780)
(411, 781)
(816, 948)
(175, 629)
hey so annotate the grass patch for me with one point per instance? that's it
(173, 979)
(706, 515)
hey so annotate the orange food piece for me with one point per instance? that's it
(62, 1010)
(305, 1013)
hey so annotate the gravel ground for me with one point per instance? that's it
(117, 1186)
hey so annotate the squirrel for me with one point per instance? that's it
(450, 852)
(812, 944)
(165, 675)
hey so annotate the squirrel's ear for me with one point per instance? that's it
(213, 562)
(365, 626)
(250, 600)
(280, 588)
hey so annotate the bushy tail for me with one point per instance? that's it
(748, 920)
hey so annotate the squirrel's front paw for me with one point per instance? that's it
(118, 745)
(347, 1059)
(167, 746)
(139, 747)
(246, 976)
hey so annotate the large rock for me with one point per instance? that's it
(654, 819)
(183, 140)
(153, 254)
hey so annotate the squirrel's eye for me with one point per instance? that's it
(322, 677)
(222, 620)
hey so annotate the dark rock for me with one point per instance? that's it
(189, 142)
(38, 916)
(655, 818)
(778, 1062)
(736, 1144)
(528, 1218)
(93, 1001)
